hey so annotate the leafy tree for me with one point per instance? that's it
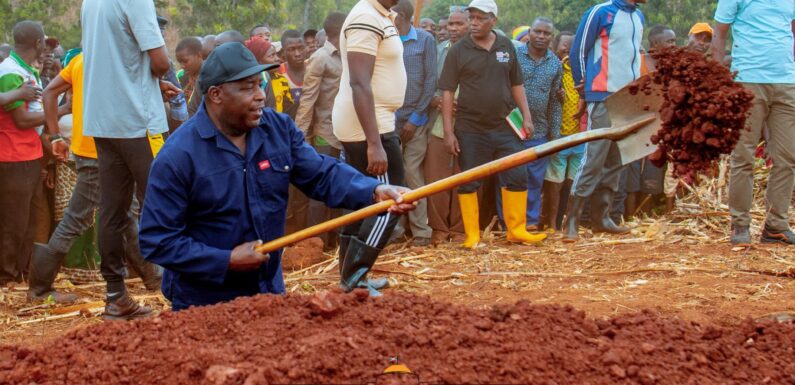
(50, 13)
(201, 17)
(677, 14)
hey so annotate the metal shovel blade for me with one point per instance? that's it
(624, 108)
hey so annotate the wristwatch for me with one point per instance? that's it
(55, 137)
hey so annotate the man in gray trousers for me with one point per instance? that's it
(600, 68)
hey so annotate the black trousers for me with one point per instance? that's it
(18, 182)
(123, 169)
(478, 148)
(375, 231)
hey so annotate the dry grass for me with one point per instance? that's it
(679, 264)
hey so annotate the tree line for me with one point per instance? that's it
(202, 17)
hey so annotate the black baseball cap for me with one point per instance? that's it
(229, 62)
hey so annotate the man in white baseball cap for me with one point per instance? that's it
(486, 6)
(482, 69)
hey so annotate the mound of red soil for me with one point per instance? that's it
(347, 338)
(303, 254)
(703, 111)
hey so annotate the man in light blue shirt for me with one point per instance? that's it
(762, 34)
(125, 57)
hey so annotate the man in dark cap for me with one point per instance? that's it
(219, 188)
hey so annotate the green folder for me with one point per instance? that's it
(516, 120)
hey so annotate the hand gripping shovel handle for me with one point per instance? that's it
(480, 172)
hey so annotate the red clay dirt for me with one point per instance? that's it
(347, 338)
(303, 254)
(703, 111)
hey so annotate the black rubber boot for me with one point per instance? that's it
(600, 213)
(377, 283)
(550, 201)
(44, 266)
(358, 261)
(344, 242)
(571, 222)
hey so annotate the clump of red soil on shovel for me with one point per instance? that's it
(336, 338)
(703, 111)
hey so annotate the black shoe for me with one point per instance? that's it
(785, 237)
(741, 236)
(600, 213)
(358, 261)
(571, 221)
(125, 308)
(421, 242)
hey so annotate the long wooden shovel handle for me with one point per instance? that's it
(480, 172)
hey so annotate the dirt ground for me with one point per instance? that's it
(654, 268)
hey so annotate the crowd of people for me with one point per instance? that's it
(190, 164)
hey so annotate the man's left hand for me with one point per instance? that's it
(527, 126)
(386, 192)
(168, 90)
(407, 133)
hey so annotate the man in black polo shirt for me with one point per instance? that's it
(484, 71)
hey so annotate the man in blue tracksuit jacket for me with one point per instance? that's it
(605, 56)
(218, 188)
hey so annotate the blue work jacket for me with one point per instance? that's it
(204, 198)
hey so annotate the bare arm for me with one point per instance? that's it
(447, 122)
(719, 41)
(50, 97)
(26, 92)
(361, 72)
(25, 119)
(159, 61)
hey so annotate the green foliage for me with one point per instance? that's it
(201, 17)
(677, 14)
(52, 14)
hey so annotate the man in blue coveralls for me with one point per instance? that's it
(218, 188)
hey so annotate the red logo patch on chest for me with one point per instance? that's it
(264, 165)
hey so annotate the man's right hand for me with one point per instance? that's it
(376, 159)
(28, 92)
(451, 144)
(580, 88)
(245, 257)
(60, 149)
(168, 90)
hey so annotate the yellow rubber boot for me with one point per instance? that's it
(470, 215)
(514, 210)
